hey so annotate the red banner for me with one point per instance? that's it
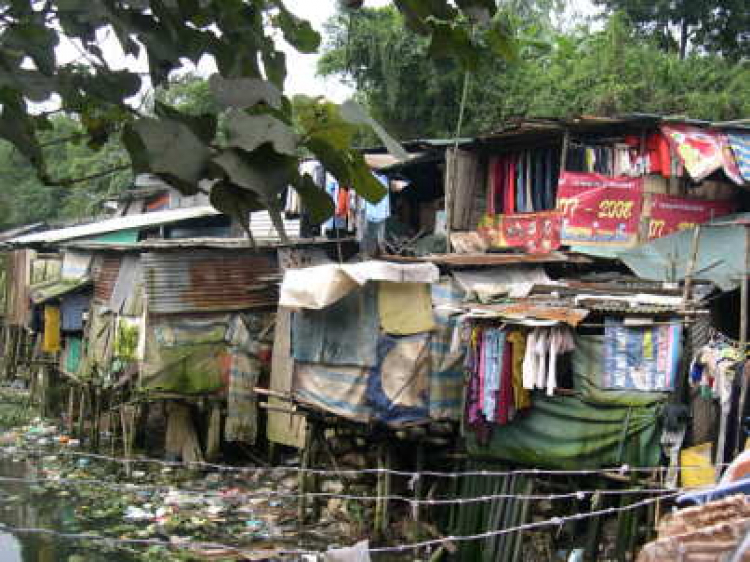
(670, 214)
(599, 210)
(536, 233)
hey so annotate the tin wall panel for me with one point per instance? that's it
(106, 271)
(209, 281)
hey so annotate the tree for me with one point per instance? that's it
(558, 73)
(257, 159)
(24, 199)
(716, 26)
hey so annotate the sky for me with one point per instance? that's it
(301, 75)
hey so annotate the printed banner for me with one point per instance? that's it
(670, 214)
(699, 149)
(599, 210)
(536, 233)
(641, 358)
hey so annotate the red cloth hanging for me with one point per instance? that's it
(509, 205)
(491, 207)
(342, 202)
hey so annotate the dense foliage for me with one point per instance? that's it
(558, 73)
(713, 26)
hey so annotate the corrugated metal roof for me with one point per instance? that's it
(106, 271)
(209, 281)
(113, 225)
(54, 289)
(20, 230)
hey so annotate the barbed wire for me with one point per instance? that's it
(621, 470)
(578, 494)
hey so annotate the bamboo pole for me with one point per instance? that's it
(743, 338)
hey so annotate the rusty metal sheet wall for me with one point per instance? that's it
(106, 270)
(209, 281)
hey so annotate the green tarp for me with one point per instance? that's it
(42, 292)
(562, 432)
(72, 356)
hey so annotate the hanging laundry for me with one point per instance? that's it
(494, 395)
(51, 341)
(543, 347)
(517, 341)
(380, 211)
(405, 308)
(342, 203)
(740, 146)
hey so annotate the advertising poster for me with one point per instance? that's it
(599, 210)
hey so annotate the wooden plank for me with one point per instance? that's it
(283, 428)
(491, 259)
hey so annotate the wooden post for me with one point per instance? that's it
(690, 269)
(743, 336)
(564, 155)
(302, 479)
(380, 524)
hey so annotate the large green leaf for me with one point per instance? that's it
(34, 40)
(274, 63)
(478, 11)
(203, 126)
(450, 39)
(297, 32)
(241, 93)
(32, 84)
(264, 171)
(173, 151)
(112, 86)
(322, 119)
(418, 12)
(17, 127)
(499, 37)
(316, 201)
(235, 202)
(352, 112)
(132, 142)
(349, 167)
(248, 132)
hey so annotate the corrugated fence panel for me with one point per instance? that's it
(209, 281)
(105, 276)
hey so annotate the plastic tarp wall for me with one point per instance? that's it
(562, 432)
(666, 259)
(588, 363)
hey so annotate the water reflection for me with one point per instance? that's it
(10, 549)
(23, 506)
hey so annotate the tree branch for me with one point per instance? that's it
(96, 175)
(63, 140)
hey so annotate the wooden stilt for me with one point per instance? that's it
(71, 405)
(383, 490)
(304, 464)
(81, 411)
